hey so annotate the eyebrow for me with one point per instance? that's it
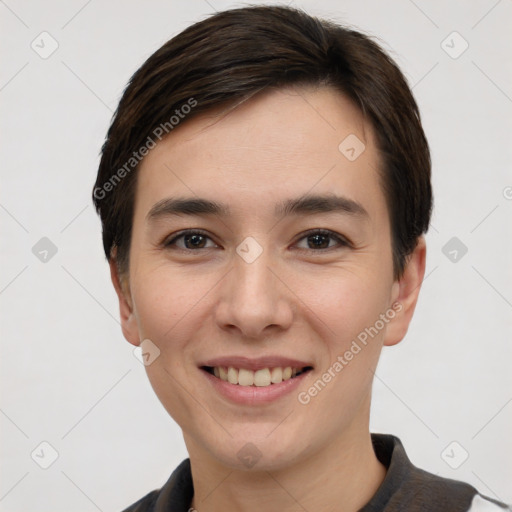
(308, 204)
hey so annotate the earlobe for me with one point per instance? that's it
(405, 294)
(128, 320)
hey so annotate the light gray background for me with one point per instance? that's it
(68, 376)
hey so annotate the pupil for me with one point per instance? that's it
(195, 240)
(319, 241)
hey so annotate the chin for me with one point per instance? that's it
(250, 450)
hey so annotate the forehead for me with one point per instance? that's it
(287, 141)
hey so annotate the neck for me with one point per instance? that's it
(346, 473)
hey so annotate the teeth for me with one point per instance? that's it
(245, 377)
(223, 373)
(232, 375)
(259, 378)
(276, 376)
(262, 377)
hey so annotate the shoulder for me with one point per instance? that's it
(176, 494)
(145, 504)
(424, 491)
(483, 504)
(411, 489)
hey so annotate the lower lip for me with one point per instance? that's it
(254, 395)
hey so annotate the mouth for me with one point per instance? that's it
(262, 377)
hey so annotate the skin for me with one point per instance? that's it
(295, 300)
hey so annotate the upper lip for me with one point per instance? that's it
(254, 364)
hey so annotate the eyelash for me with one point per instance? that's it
(342, 241)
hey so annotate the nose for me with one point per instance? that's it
(254, 301)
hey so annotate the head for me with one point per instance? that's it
(292, 151)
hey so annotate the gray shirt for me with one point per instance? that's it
(405, 488)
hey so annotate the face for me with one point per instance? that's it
(261, 248)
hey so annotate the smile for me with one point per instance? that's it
(259, 378)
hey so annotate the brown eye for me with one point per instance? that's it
(190, 240)
(194, 241)
(322, 240)
(318, 241)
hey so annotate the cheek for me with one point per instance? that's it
(347, 302)
(349, 306)
(166, 307)
(162, 302)
(351, 309)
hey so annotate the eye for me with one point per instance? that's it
(190, 240)
(317, 240)
(320, 239)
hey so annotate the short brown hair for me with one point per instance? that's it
(237, 53)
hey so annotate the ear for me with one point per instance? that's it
(128, 321)
(405, 294)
